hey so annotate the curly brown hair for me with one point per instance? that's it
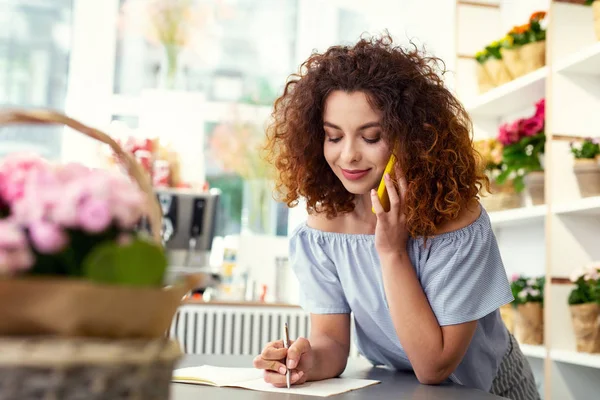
(426, 127)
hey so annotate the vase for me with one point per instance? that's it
(534, 184)
(502, 197)
(529, 323)
(587, 172)
(259, 210)
(586, 326)
(171, 76)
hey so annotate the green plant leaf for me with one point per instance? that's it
(139, 263)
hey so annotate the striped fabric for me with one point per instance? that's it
(515, 379)
(462, 275)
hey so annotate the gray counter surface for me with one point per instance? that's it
(394, 385)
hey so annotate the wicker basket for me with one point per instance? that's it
(497, 71)
(533, 55)
(90, 369)
(67, 339)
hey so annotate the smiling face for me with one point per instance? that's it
(353, 145)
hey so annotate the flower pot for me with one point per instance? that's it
(497, 71)
(596, 11)
(507, 313)
(587, 172)
(529, 323)
(484, 81)
(83, 368)
(502, 197)
(514, 63)
(534, 185)
(586, 325)
(533, 55)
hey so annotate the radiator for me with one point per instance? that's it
(236, 330)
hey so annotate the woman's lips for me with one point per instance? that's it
(354, 174)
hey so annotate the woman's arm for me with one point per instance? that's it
(330, 342)
(433, 351)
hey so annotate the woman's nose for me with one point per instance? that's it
(350, 153)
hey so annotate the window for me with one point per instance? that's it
(34, 61)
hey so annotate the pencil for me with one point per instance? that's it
(286, 343)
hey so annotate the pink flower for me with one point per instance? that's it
(540, 109)
(514, 277)
(14, 171)
(531, 126)
(93, 215)
(47, 238)
(15, 254)
(509, 133)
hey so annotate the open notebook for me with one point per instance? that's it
(251, 378)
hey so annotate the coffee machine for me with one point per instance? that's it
(188, 228)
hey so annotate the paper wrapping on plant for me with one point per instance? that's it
(596, 11)
(514, 63)
(497, 71)
(533, 55)
(529, 323)
(484, 81)
(63, 307)
(586, 325)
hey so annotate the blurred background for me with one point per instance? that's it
(188, 86)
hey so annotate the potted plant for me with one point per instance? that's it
(523, 155)
(500, 197)
(511, 50)
(585, 166)
(81, 285)
(495, 65)
(584, 305)
(533, 52)
(529, 304)
(484, 80)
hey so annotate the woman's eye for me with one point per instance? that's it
(371, 141)
(333, 140)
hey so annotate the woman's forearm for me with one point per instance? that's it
(330, 358)
(415, 323)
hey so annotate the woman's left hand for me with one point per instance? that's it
(391, 234)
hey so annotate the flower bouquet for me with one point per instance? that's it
(83, 310)
(584, 304)
(495, 65)
(524, 142)
(586, 167)
(529, 303)
(484, 80)
(501, 197)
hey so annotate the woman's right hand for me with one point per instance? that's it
(299, 360)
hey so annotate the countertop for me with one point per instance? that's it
(394, 384)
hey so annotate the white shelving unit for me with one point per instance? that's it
(534, 351)
(585, 61)
(562, 235)
(576, 358)
(513, 96)
(586, 206)
(518, 216)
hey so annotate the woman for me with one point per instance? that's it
(424, 280)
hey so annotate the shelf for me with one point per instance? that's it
(518, 216)
(586, 206)
(586, 61)
(576, 358)
(533, 351)
(511, 97)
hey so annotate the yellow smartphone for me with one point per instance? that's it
(382, 193)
